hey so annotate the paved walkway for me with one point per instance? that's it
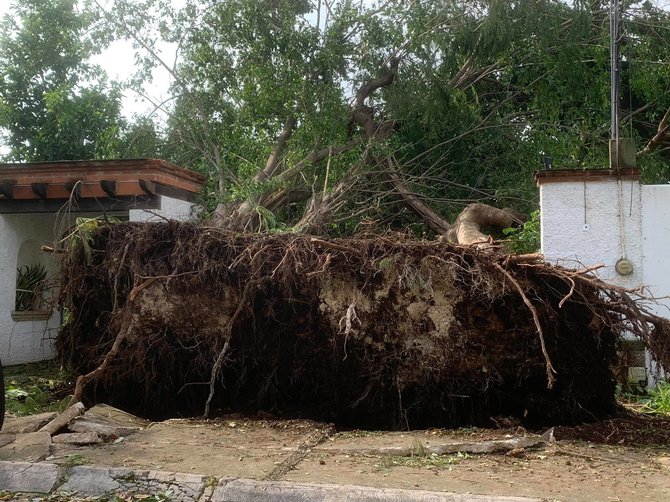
(240, 459)
(43, 478)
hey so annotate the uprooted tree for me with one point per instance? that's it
(466, 229)
(379, 331)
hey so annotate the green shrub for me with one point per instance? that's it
(526, 238)
(31, 400)
(657, 401)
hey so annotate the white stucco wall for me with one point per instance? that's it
(24, 341)
(33, 340)
(656, 244)
(656, 252)
(582, 225)
(171, 209)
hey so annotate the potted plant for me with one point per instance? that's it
(31, 287)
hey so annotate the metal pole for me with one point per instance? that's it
(614, 74)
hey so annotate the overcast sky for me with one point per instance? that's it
(118, 61)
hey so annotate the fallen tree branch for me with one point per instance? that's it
(432, 219)
(70, 413)
(476, 447)
(660, 136)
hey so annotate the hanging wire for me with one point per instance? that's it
(631, 117)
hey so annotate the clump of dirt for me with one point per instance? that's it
(384, 332)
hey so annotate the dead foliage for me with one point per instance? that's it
(372, 331)
(629, 429)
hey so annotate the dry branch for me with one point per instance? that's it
(551, 379)
(660, 137)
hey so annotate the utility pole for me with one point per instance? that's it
(614, 69)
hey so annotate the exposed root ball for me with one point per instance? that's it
(370, 332)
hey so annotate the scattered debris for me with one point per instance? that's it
(289, 463)
(493, 446)
(628, 429)
(78, 438)
(100, 424)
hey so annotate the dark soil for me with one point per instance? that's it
(376, 332)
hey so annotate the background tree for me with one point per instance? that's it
(54, 105)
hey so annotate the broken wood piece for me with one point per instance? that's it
(50, 249)
(64, 418)
(524, 258)
(493, 446)
(78, 438)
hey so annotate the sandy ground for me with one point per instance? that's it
(298, 450)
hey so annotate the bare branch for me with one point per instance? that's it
(273, 160)
(432, 219)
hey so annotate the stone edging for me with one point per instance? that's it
(45, 477)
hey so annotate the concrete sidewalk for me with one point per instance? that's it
(48, 478)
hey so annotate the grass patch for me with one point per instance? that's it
(422, 461)
(356, 433)
(657, 400)
(654, 401)
(74, 460)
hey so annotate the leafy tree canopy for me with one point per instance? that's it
(53, 104)
(316, 114)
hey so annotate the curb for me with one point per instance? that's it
(48, 478)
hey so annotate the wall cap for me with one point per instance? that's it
(571, 175)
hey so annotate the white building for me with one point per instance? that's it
(606, 217)
(39, 203)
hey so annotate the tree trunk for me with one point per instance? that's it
(467, 229)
